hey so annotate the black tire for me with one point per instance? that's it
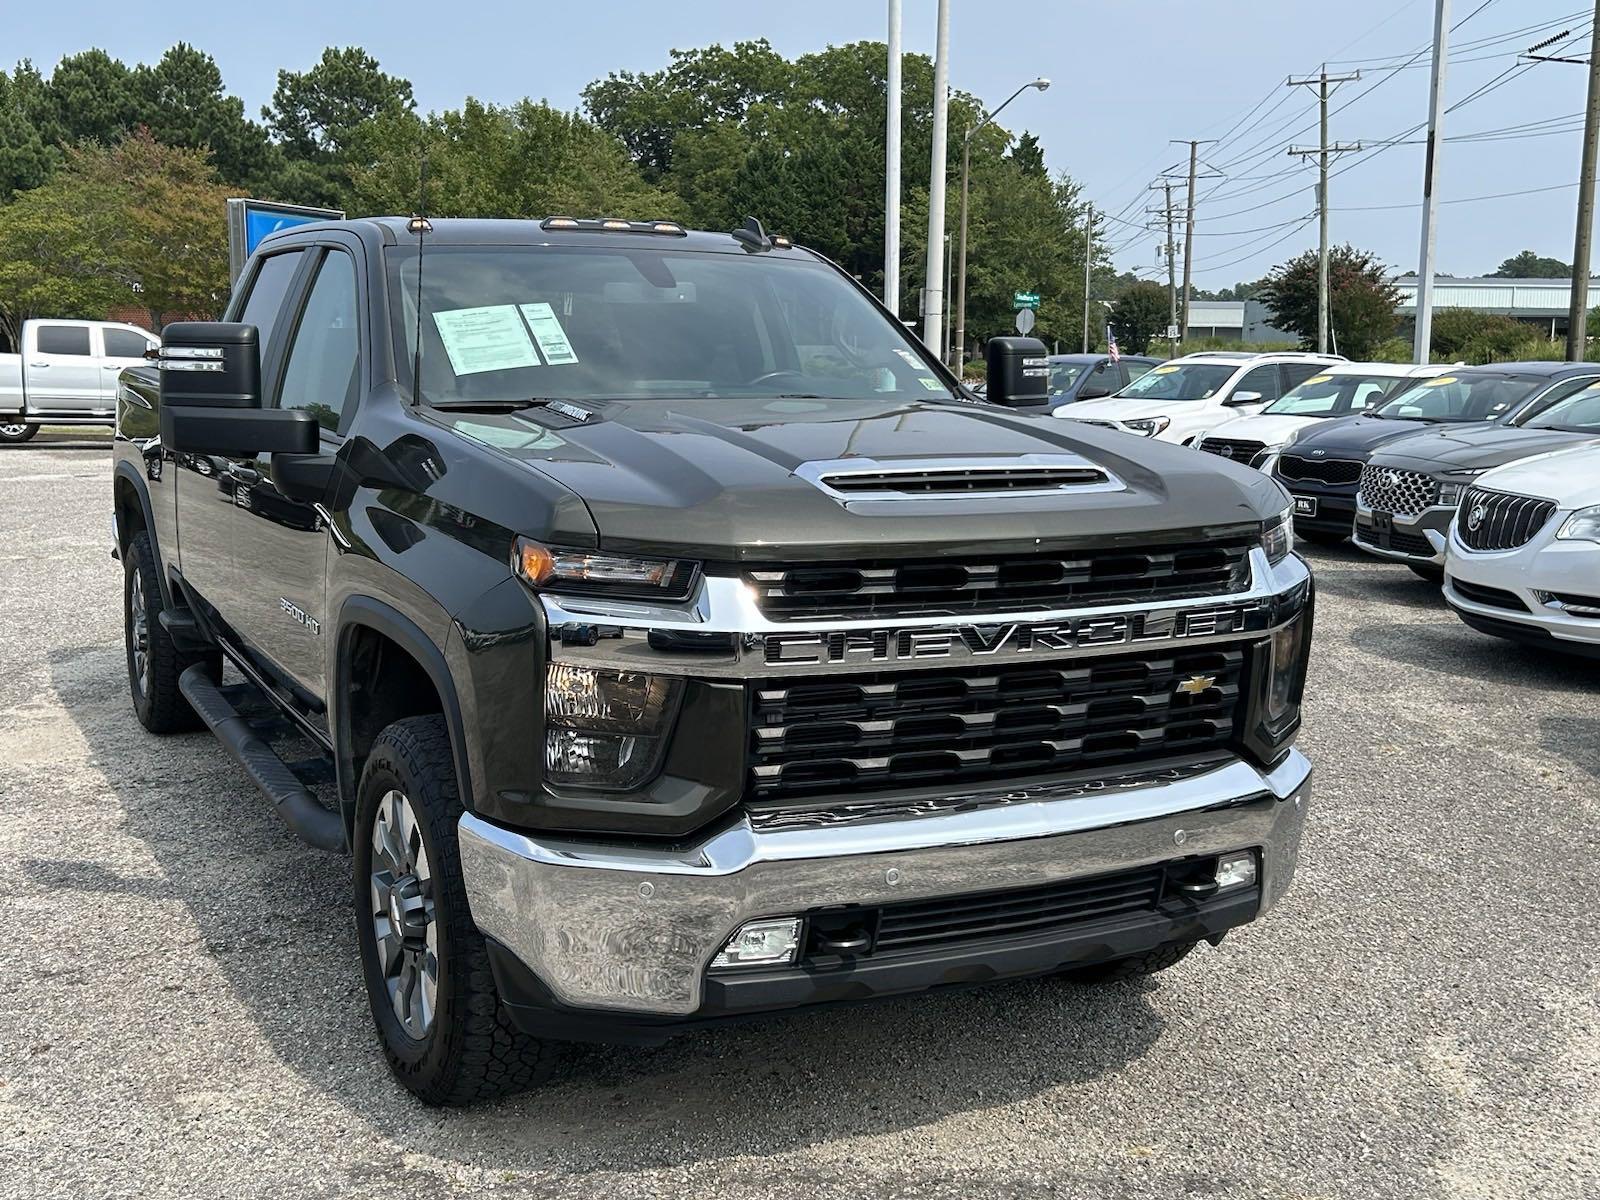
(1432, 572)
(1135, 965)
(14, 433)
(469, 1050)
(1320, 537)
(158, 703)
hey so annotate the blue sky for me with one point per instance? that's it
(1127, 77)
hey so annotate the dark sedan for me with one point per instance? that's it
(1410, 489)
(1322, 467)
(1075, 377)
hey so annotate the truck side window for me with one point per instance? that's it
(323, 371)
(267, 291)
(63, 339)
(124, 343)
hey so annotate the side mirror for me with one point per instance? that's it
(1018, 372)
(211, 395)
(1239, 399)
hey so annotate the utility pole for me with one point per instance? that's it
(1188, 227)
(1088, 261)
(1172, 267)
(1422, 344)
(933, 310)
(1321, 82)
(1578, 310)
(891, 197)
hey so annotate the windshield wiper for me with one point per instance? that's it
(484, 405)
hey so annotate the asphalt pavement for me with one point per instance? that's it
(183, 1014)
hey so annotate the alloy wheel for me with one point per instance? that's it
(402, 917)
(139, 631)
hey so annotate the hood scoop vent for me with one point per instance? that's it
(944, 478)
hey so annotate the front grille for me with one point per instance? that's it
(1500, 521)
(1335, 471)
(1394, 490)
(928, 923)
(1492, 596)
(904, 729)
(1248, 453)
(963, 480)
(931, 587)
(1414, 544)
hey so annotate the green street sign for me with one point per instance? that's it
(1021, 300)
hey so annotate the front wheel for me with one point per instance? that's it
(444, 1032)
(16, 432)
(154, 663)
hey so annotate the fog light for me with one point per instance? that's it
(1236, 870)
(761, 943)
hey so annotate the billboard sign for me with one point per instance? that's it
(249, 221)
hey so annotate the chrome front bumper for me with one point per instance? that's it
(633, 930)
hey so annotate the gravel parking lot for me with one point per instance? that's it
(184, 1013)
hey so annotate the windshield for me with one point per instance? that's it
(1336, 395)
(1063, 375)
(1579, 413)
(1180, 381)
(513, 323)
(1457, 398)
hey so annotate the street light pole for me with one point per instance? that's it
(1041, 84)
(933, 281)
(891, 200)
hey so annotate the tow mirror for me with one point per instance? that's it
(211, 395)
(1018, 372)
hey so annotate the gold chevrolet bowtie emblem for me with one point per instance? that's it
(1196, 684)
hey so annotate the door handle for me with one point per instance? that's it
(110, 367)
(38, 366)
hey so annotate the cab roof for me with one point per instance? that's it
(481, 231)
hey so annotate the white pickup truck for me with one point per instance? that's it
(66, 374)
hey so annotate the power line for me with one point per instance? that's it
(1554, 187)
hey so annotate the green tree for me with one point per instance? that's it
(89, 97)
(1528, 265)
(1139, 314)
(137, 223)
(26, 158)
(182, 101)
(1362, 299)
(525, 160)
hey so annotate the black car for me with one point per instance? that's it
(1075, 377)
(1410, 489)
(1322, 468)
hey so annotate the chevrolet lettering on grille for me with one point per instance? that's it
(1010, 640)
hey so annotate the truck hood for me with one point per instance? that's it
(717, 479)
(1358, 437)
(1473, 448)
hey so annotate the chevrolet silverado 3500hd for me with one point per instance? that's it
(688, 644)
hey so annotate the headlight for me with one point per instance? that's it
(542, 566)
(605, 729)
(1288, 672)
(1277, 536)
(1148, 426)
(1581, 526)
(1450, 488)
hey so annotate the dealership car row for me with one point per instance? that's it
(1486, 479)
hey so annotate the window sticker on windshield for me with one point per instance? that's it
(933, 385)
(911, 359)
(1437, 381)
(548, 333)
(1319, 379)
(485, 339)
(1162, 370)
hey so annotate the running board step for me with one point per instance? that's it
(321, 827)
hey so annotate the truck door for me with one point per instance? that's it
(280, 545)
(60, 369)
(204, 484)
(119, 349)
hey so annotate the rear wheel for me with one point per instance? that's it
(16, 431)
(154, 663)
(1135, 965)
(444, 1032)
(1432, 572)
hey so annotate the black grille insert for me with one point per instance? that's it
(905, 729)
(924, 587)
(1492, 596)
(1490, 520)
(923, 924)
(1337, 471)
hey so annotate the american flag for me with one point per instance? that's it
(1111, 344)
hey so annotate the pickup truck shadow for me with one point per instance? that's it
(273, 917)
(61, 439)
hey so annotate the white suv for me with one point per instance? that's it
(1181, 400)
(1523, 560)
